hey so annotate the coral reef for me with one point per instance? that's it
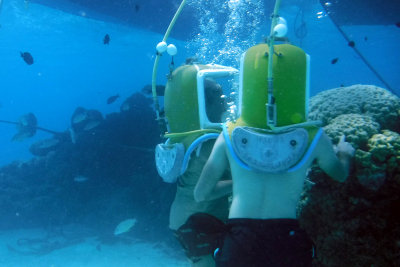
(352, 223)
(349, 224)
(380, 162)
(357, 129)
(380, 104)
(105, 176)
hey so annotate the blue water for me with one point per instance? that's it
(74, 68)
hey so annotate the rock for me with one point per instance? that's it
(42, 147)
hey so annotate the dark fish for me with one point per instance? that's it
(106, 39)
(147, 90)
(398, 24)
(137, 7)
(365, 38)
(191, 60)
(112, 99)
(27, 57)
(334, 60)
(352, 44)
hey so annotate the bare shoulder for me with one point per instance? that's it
(208, 186)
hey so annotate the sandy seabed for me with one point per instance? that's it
(88, 252)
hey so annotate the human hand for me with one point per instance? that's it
(344, 148)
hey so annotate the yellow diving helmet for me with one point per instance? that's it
(290, 86)
(193, 104)
(272, 133)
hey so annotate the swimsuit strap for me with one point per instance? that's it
(195, 144)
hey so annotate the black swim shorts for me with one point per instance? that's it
(200, 235)
(272, 243)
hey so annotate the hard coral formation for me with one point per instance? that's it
(381, 161)
(349, 225)
(352, 223)
(370, 100)
(357, 129)
(369, 174)
(117, 155)
(384, 146)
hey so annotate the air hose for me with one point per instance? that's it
(271, 108)
(160, 120)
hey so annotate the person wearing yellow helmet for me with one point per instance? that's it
(269, 150)
(194, 111)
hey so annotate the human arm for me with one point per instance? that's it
(209, 185)
(335, 164)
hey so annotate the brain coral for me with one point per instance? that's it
(380, 104)
(357, 129)
(381, 162)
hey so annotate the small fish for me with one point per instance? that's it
(27, 57)
(124, 226)
(80, 179)
(106, 39)
(79, 117)
(48, 143)
(91, 125)
(398, 24)
(365, 38)
(112, 99)
(191, 60)
(137, 7)
(334, 60)
(352, 44)
(21, 136)
(147, 90)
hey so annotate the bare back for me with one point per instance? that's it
(260, 195)
(265, 196)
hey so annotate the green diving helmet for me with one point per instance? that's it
(272, 133)
(194, 107)
(290, 72)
